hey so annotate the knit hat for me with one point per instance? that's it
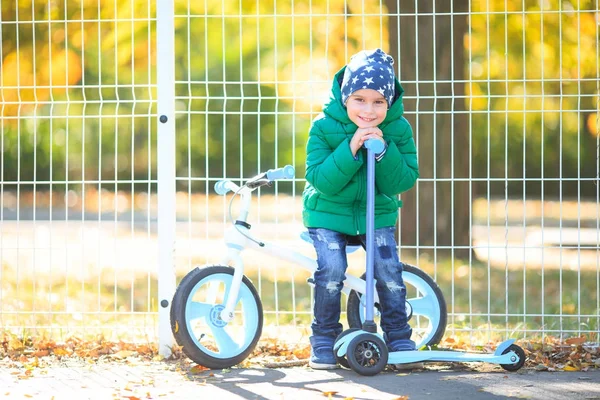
(369, 69)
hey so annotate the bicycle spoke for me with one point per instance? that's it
(422, 306)
(212, 292)
(224, 341)
(197, 310)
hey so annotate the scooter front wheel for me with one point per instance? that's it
(367, 354)
(196, 319)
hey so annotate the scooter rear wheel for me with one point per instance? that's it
(516, 366)
(342, 360)
(367, 354)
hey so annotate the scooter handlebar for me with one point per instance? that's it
(376, 146)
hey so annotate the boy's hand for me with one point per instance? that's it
(362, 135)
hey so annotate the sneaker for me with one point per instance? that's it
(405, 345)
(409, 366)
(321, 353)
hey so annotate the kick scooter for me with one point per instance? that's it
(365, 351)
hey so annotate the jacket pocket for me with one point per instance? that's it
(311, 200)
(386, 203)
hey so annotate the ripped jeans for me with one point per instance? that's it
(331, 272)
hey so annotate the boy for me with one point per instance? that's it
(365, 103)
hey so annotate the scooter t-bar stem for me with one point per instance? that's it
(373, 146)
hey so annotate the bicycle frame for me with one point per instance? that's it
(236, 242)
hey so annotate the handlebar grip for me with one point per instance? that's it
(376, 146)
(220, 187)
(286, 172)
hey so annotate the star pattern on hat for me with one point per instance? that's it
(370, 70)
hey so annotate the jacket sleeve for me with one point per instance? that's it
(328, 169)
(398, 170)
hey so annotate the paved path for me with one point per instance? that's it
(162, 380)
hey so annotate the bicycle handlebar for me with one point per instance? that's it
(286, 172)
(222, 187)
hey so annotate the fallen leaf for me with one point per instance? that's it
(196, 369)
(122, 354)
(60, 351)
(576, 341)
(570, 368)
(329, 394)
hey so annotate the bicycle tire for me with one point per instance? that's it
(187, 314)
(411, 276)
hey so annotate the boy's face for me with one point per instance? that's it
(366, 108)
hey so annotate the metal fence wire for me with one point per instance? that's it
(117, 118)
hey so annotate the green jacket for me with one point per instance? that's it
(335, 196)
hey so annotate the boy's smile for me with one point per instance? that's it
(366, 108)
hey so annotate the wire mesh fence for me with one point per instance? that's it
(503, 97)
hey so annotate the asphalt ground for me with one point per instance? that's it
(141, 379)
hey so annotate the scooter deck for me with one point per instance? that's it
(403, 357)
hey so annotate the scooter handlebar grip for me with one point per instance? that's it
(286, 172)
(376, 146)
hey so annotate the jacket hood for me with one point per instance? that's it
(335, 107)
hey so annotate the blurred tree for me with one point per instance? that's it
(429, 45)
(532, 84)
(78, 91)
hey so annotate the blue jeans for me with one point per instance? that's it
(331, 272)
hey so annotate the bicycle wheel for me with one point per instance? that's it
(426, 307)
(196, 321)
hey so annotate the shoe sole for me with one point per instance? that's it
(315, 365)
(408, 366)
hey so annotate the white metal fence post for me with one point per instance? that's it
(165, 169)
